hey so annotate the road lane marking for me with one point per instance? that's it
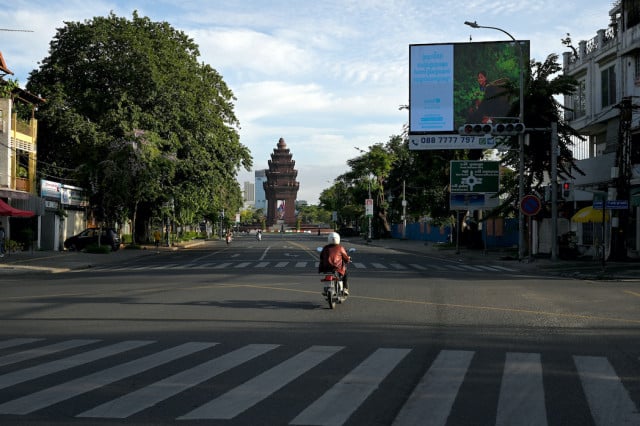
(16, 342)
(264, 253)
(633, 293)
(336, 406)
(434, 395)
(134, 402)
(521, 400)
(248, 394)
(49, 396)
(46, 350)
(41, 370)
(609, 401)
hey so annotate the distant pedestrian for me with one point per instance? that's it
(157, 236)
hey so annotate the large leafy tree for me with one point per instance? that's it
(541, 109)
(133, 116)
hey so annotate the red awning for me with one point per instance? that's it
(7, 210)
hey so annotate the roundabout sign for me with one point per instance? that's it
(530, 205)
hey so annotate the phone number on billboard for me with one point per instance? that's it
(450, 142)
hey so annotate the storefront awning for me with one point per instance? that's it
(589, 214)
(7, 210)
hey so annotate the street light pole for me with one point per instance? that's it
(520, 140)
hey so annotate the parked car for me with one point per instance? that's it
(89, 236)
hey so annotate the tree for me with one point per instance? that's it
(109, 80)
(541, 109)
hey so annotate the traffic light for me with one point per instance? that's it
(567, 190)
(508, 129)
(483, 129)
(473, 129)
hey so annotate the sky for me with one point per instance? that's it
(328, 76)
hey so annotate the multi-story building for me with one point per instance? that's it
(605, 111)
(260, 195)
(249, 194)
(18, 147)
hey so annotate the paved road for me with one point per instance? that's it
(146, 381)
(50, 261)
(239, 335)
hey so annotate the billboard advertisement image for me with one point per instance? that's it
(454, 84)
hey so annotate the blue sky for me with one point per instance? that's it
(328, 76)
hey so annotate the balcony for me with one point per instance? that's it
(22, 184)
(24, 134)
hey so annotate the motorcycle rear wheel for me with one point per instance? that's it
(331, 295)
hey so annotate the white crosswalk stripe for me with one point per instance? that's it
(46, 397)
(521, 393)
(137, 401)
(42, 370)
(391, 266)
(609, 401)
(248, 394)
(338, 403)
(38, 352)
(519, 401)
(17, 342)
(433, 397)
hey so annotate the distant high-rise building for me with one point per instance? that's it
(249, 196)
(249, 192)
(260, 196)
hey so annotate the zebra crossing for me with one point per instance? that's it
(301, 265)
(78, 367)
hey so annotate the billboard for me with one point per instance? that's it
(457, 83)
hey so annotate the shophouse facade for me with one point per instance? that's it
(605, 111)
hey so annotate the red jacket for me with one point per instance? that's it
(333, 257)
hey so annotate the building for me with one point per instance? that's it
(260, 196)
(605, 111)
(281, 188)
(249, 194)
(18, 155)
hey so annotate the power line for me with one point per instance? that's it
(16, 31)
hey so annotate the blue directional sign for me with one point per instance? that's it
(612, 205)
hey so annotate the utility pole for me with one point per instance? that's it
(554, 191)
(623, 179)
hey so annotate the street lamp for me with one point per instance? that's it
(520, 140)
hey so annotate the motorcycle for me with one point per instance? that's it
(333, 289)
(259, 236)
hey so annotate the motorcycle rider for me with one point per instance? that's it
(334, 257)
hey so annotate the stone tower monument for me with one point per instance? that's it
(281, 188)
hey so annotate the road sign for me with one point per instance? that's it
(612, 205)
(472, 201)
(475, 176)
(530, 205)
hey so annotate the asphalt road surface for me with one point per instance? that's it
(240, 335)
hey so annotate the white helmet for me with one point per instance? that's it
(333, 238)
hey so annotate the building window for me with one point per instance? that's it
(579, 100)
(608, 86)
(637, 68)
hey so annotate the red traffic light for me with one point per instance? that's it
(475, 129)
